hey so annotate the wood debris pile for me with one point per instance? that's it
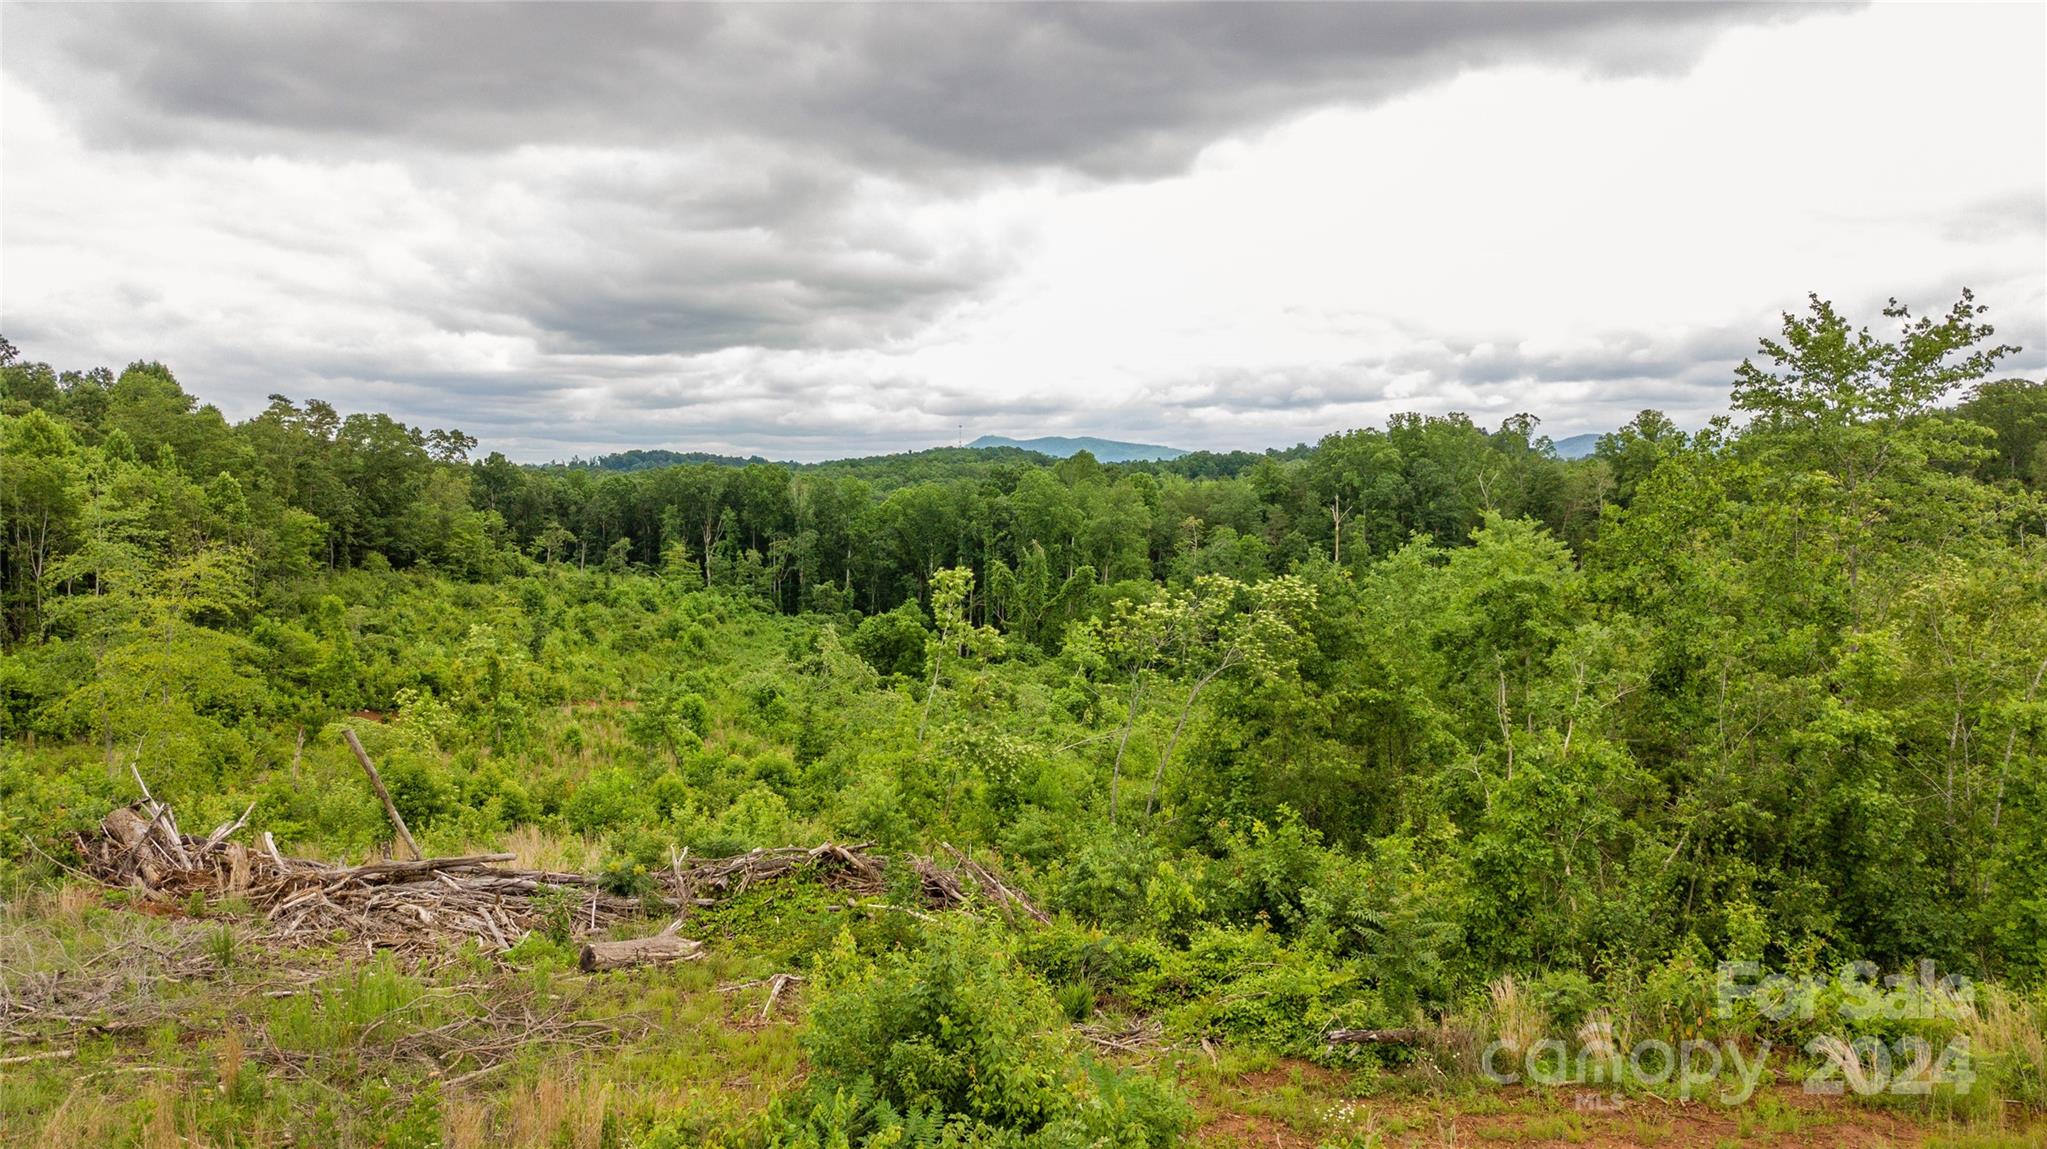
(406, 904)
(394, 904)
(848, 868)
(854, 870)
(1125, 1035)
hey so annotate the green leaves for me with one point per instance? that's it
(1409, 709)
(1828, 374)
(954, 1044)
(956, 637)
(168, 670)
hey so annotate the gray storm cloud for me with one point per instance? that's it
(1113, 90)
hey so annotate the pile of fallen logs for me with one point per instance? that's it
(408, 903)
(848, 868)
(389, 903)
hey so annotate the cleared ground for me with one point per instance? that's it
(157, 1027)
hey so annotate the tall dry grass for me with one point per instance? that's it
(533, 848)
(2008, 1045)
(465, 1124)
(83, 1120)
(556, 1109)
(1518, 1021)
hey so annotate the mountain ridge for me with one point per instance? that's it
(1104, 450)
(1576, 446)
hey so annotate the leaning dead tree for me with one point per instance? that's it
(404, 904)
(383, 795)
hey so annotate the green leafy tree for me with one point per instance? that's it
(1221, 627)
(168, 670)
(41, 491)
(1356, 479)
(1858, 412)
(954, 636)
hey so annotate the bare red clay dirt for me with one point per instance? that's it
(1301, 1106)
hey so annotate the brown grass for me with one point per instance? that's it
(229, 1065)
(2010, 1031)
(83, 1119)
(465, 1124)
(161, 1129)
(587, 1122)
(538, 849)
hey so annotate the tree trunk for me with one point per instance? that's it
(930, 692)
(1151, 799)
(153, 844)
(663, 948)
(1373, 1036)
(383, 795)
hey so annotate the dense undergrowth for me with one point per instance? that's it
(1485, 762)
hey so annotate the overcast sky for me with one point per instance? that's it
(808, 232)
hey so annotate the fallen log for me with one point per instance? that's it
(139, 855)
(51, 1055)
(661, 949)
(1375, 1036)
(428, 865)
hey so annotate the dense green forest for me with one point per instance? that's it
(1340, 734)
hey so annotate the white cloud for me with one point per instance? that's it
(1573, 243)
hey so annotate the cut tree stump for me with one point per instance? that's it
(132, 831)
(125, 826)
(661, 949)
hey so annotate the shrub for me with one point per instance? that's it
(1267, 874)
(635, 856)
(955, 1045)
(1565, 998)
(766, 695)
(757, 817)
(1103, 880)
(423, 791)
(871, 808)
(892, 643)
(1066, 952)
(556, 909)
(1250, 986)
(607, 799)
(671, 719)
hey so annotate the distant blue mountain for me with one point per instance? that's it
(1577, 446)
(1104, 450)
